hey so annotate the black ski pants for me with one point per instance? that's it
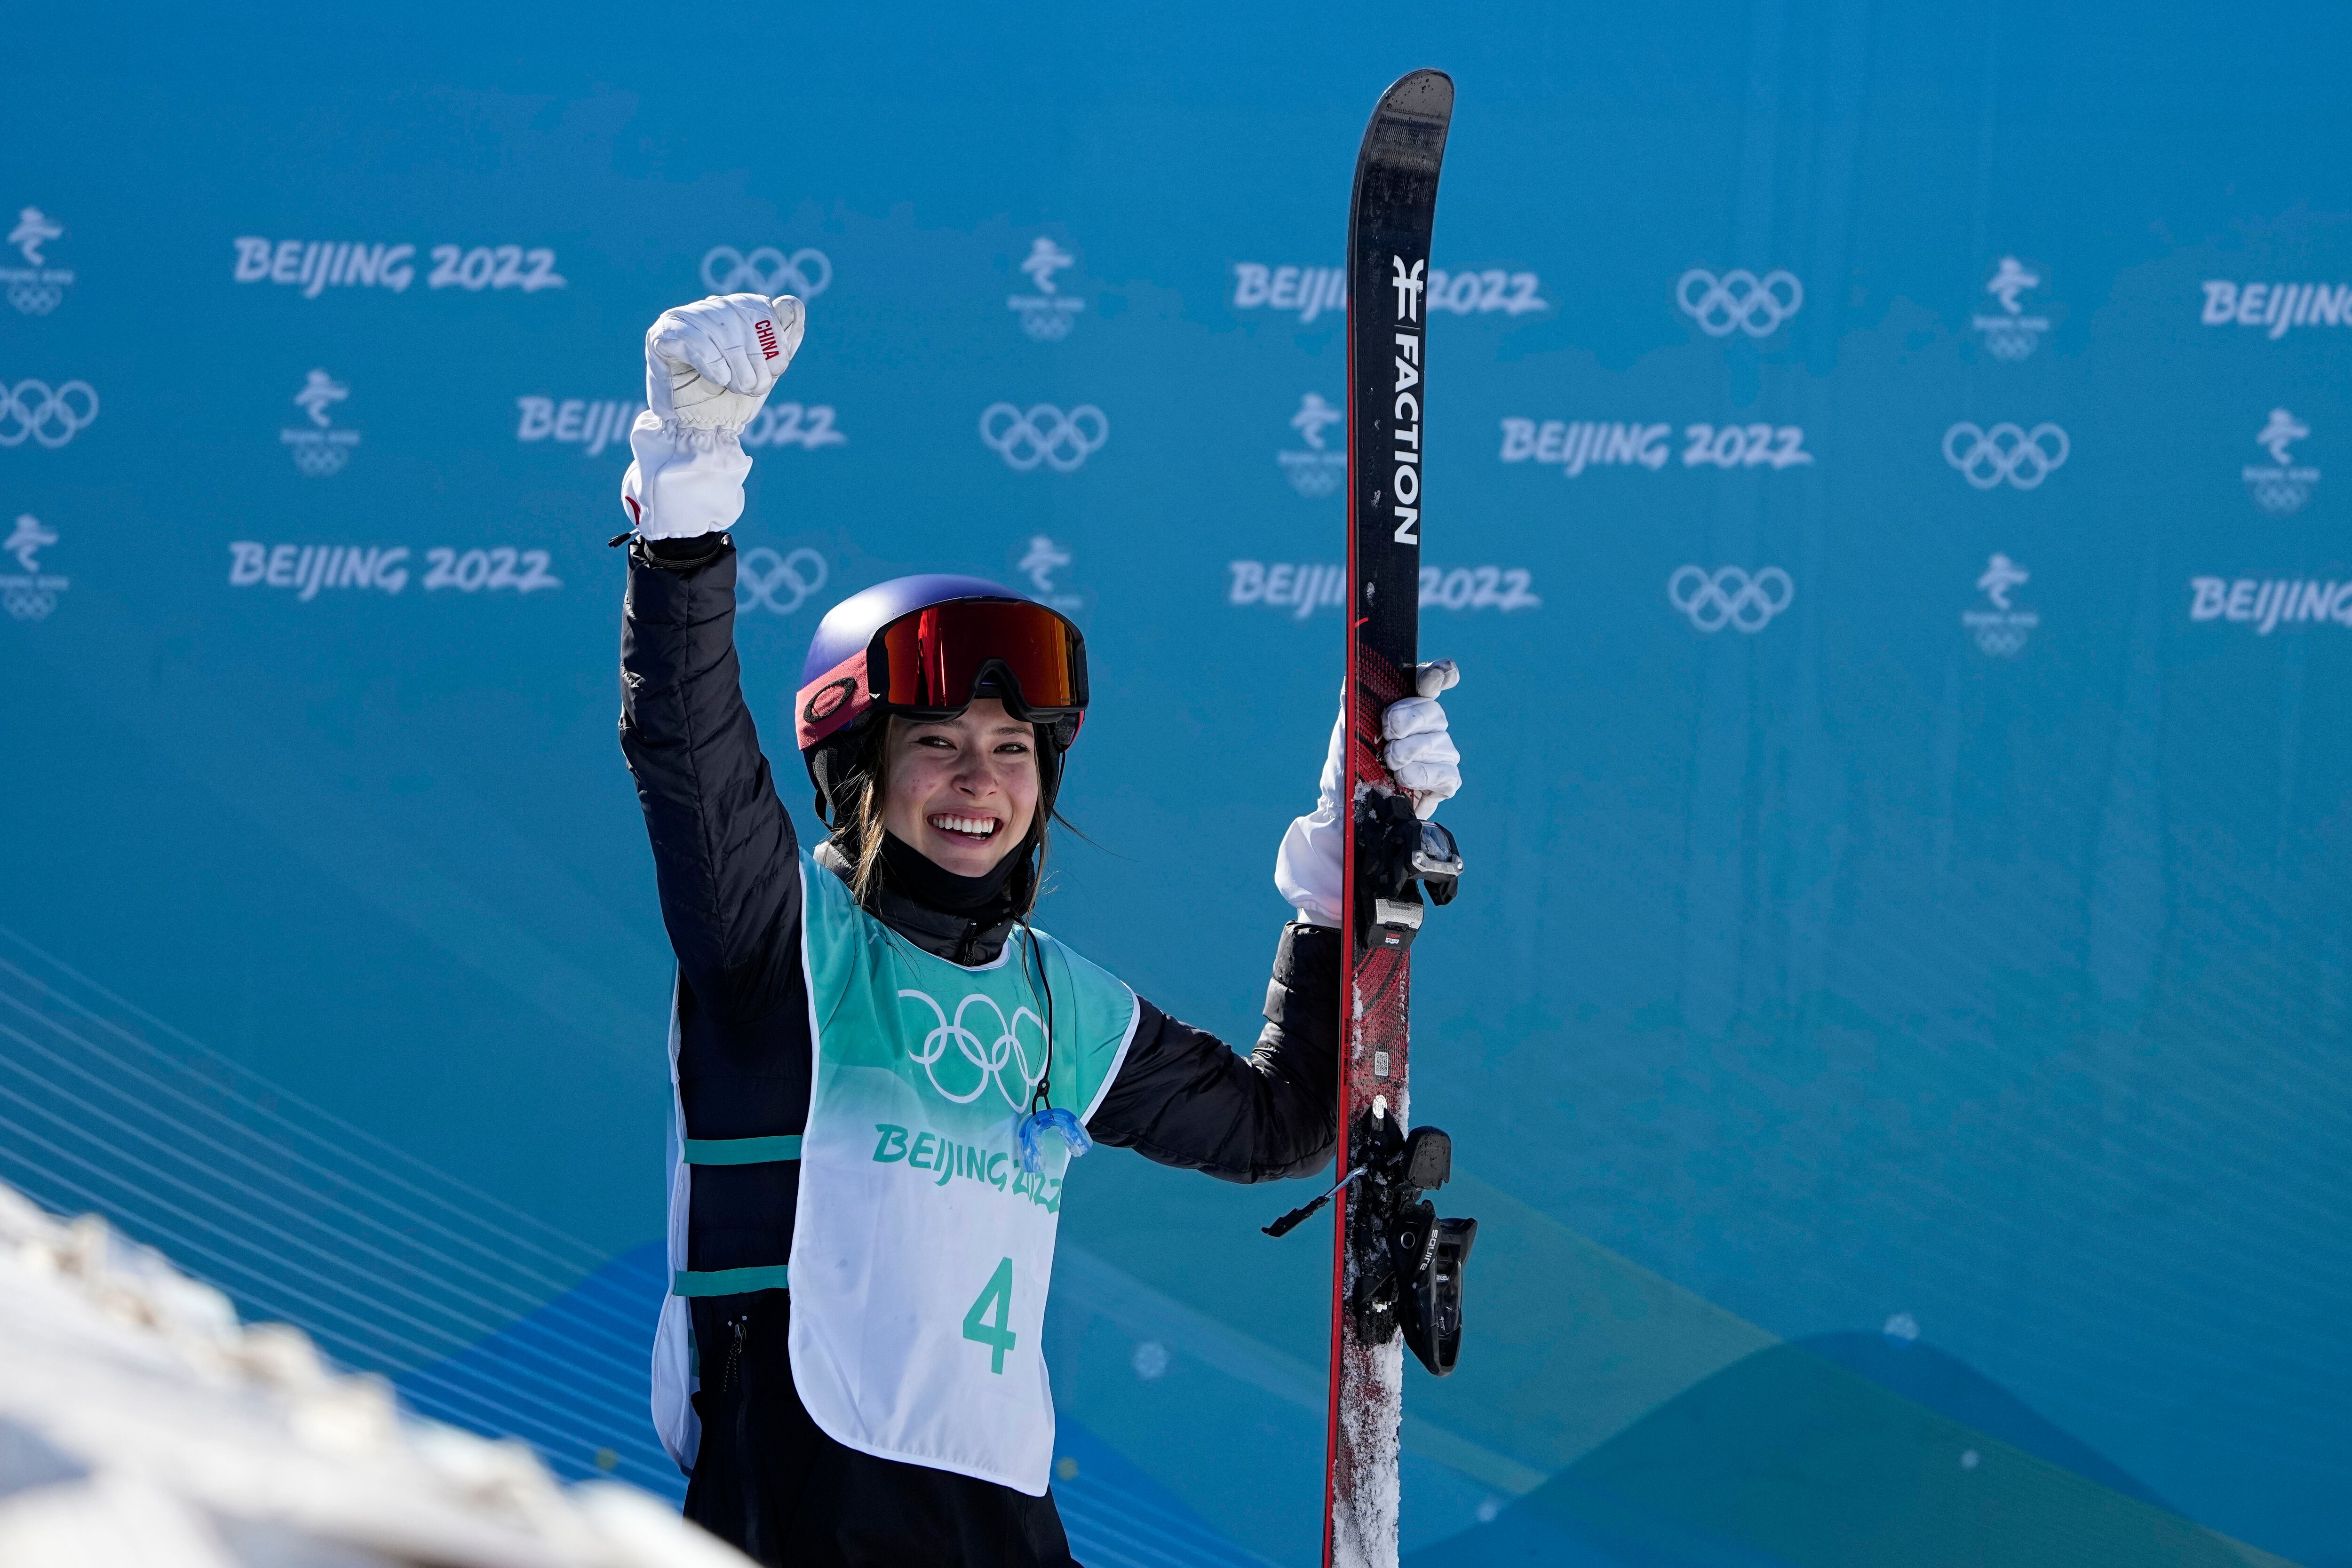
(769, 1482)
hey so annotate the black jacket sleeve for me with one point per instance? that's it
(724, 853)
(1183, 1098)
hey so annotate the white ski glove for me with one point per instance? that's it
(1419, 751)
(708, 367)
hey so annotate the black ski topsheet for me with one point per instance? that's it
(1388, 225)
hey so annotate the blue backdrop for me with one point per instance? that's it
(1884, 492)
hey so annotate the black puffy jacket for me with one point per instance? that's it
(728, 864)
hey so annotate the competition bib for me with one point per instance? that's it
(921, 1248)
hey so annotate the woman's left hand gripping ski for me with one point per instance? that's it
(1417, 744)
(1420, 749)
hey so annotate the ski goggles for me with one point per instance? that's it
(931, 663)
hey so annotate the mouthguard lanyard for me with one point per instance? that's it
(1052, 1118)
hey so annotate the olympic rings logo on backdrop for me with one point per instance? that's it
(989, 1056)
(1729, 597)
(48, 414)
(2022, 457)
(767, 270)
(1043, 433)
(762, 577)
(1739, 301)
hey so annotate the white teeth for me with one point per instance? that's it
(971, 826)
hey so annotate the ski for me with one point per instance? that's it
(1397, 1267)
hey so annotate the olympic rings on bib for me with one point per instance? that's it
(1739, 301)
(1729, 597)
(2022, 457)
(990, 1057)
(49, 415)
(777, 584)
(1043, 433)
(767, 270)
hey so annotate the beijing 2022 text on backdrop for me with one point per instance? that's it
(1887, 492)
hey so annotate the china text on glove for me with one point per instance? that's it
(708, 367)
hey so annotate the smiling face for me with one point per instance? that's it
(962, 792)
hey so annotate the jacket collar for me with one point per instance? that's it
(967, 939)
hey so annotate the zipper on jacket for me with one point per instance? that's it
(757, 1526)
(734, 1356)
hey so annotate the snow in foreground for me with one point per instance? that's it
(142, 1427)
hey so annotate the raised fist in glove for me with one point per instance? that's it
(708, 367)
(710, 364)
(1418, 748)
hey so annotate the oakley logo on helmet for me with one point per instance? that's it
(829, 697)
(834, 699)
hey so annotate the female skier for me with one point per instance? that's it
(882, 1071)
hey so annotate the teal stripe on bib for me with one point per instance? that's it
(730, 1281)
(743, 1151)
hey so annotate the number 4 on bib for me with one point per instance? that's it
(997, 1336)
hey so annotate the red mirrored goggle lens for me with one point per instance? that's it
(931, 659)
